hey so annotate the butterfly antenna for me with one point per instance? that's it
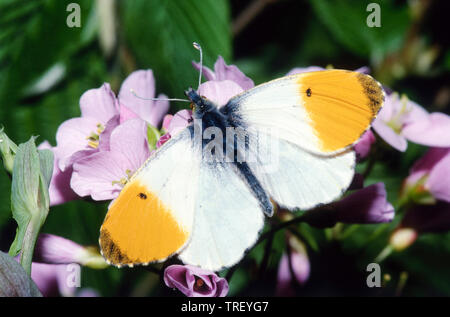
(156, 99)
(199, 48)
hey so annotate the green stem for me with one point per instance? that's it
(384, 254)
(29, 241)
(279, 227)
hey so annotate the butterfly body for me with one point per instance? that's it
(208, 115)
(204, 194)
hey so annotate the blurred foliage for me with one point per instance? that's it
(410, 53)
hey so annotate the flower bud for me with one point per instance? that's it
(402, 238)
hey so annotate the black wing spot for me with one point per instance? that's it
(308, 92)
(142, 196)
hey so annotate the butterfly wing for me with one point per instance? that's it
(298, 179)
(228, 219)
(301, 129)
(323, 112)
(152, 217)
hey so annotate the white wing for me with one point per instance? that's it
(295, 178)
(227, 220)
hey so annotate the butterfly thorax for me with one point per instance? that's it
(201, 105)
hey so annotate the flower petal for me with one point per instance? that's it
(362, 148)
(99, 103)
(179, 121)
(161, 107)
(300, 268)
(95, 174)
(142, 82)
(104, 137)
(166, 121)
(438, 182)
(433, 130)
(185, 278)
(394, 139)
(207, 72)
(163, 139)
(231, 72)
(368, 205)
(126, 114)
(72, 137)
(219, 91)
(52, 249)
(59, 189)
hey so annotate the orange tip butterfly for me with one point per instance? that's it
(205, 199)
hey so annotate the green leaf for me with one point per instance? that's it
(8, 151)
(153, 136)
(46, 165)
(44, 40)
(24, 190)
(29, 197)
(347, 21)
(14, 281)
(160, 34)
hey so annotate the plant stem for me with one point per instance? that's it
(279, 227)
(265, 260)
(384, 254)
(29, 241)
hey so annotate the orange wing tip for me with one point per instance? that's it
(162, 236)
(374, 92)
(341, 106)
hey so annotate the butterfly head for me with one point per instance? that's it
(200, 105)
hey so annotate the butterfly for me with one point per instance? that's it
(191, 200)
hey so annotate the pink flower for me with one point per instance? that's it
(142, 82)
(79, 137)
(51, 279)
(362, 148)
(52, 249)
(163, 139)
(179, 121)
(102, 175)
(224, 72)
(195, 282)
(59, 190)
(166, 122)
(220, 91)
(172, 124)
(101, 112)
(430, 176)
(56, 263)
(126, 114)
(368, 205)
(59, 280)
(294, 268)
(401, 119)
(225, 82)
